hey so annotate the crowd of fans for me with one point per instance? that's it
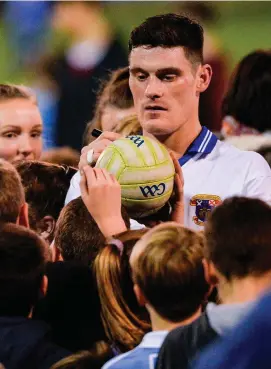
(83, 286)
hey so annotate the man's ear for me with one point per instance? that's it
(210, 273)
(139, 295)
(23, 219)
(204, 76)
(44, 285)
(47, 227)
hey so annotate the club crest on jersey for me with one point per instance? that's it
(204, 204)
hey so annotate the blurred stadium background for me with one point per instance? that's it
(241, 27)
(28, 36)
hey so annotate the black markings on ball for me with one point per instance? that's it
(154, 190)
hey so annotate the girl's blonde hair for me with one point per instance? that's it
(129, 126)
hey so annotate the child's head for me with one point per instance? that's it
(77, 235)
(22, 270)
(12, 199)
(238, 245)
(46, 186)
(168, 272)
(114, 103)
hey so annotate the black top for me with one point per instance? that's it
(25, 344)
(71, 306)
(183, 344)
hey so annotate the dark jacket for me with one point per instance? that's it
(71, 306)
(183, 344)
(247, 346)
(78, 90)
(25, 344)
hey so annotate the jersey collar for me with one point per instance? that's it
(203, 144)
(153, 339)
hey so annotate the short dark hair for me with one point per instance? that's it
(170, 30)
(77, 235)
(238, 234)
(248, 95)
(46, 186)
(169, 271)
(23, 256)
(11, 192)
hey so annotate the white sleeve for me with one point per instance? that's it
(258, 180)
(135, 225)
(74, 190)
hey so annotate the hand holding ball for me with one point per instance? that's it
(145, 171)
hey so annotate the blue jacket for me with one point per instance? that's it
(24, 344)
(248, 346)
(143, 356)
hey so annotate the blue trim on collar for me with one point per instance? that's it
(204, 143)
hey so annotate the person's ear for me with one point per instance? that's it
(204, 76)
(139, 296)
(44, 285)
(210, 273)
(23, 219)
(47, 227)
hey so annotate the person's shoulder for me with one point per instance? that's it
(257, 165)
(225, 149)
(183, 343)
(45, 354)
(201, 324)
(190, 337)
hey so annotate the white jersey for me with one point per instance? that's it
(213, 171)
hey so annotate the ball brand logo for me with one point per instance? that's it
(136, 140)
(154, 190)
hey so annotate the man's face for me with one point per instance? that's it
(164, 84)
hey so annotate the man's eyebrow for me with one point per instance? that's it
(137, 70)
(169, 70)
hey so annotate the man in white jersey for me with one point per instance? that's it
(167, 76)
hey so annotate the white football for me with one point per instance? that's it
(145, 171)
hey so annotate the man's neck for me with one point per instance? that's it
(160, 324)
(243, 290)
(179, 141)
